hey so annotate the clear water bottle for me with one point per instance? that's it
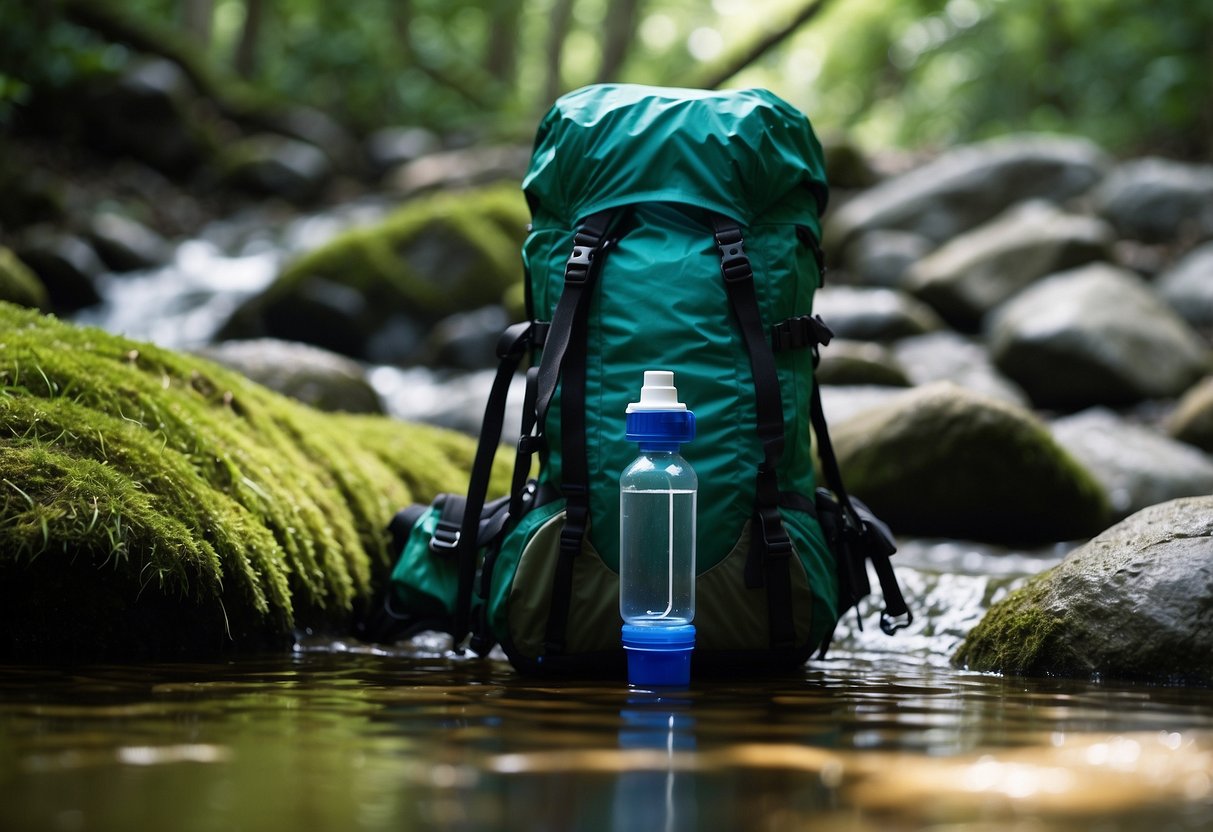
(657, 507)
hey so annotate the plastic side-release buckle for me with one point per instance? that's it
(890, 624)
(775, 540)
(445, 539)
(734, 262)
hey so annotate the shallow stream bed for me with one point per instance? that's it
(881, 735)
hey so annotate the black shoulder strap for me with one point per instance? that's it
(770, 546)
(510, 350)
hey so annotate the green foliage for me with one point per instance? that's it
(1132, 74)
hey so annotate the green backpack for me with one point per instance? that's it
(679, 230)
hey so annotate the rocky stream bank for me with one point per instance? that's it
(1023, 356)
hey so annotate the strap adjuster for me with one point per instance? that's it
(445, 539)
(775, 540)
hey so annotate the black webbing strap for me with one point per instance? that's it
(770, 546)
(896, 614)
(510, 349)
(563, 363)
(575, 484)
(528, 443)
(588, 242)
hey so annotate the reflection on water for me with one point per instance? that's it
(362, 739)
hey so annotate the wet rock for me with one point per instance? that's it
(1158, 200)
(1136, 465)
(126, 245)
(436, 256)
(391, 147)
(147, 113)
(1137, 602)
(272, 165)
(949, 356)
(460, 169)
(318, 129)
(240, 514)
(467, 340)
(883, 258)
(66, 265)
(841, 402)
(860, 363)
(873, 314)
(316, 377)
(1192, 421)
(940, 460)
(1188, 286)
(18, 284)
(847, 163)
(967, 277)
(455, 401)
(967, 186)
(1095, 335)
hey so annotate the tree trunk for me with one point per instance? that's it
(501, 54)
(619, 29)
(197, 16)
(250, 37)
(562, 19)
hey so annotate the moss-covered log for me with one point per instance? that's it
(154, 503)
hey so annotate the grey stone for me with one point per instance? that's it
(391, 147)
(467, 340)
(1192, 420)
(274, 165)
(873, 314)
(841, 402)
(1158, 199)
(125, 244)
(941, 460)
(859, 363)
(949, 356)
(882, 258)
(1095, 335)
(66, 265)
(313, 376)
(966, 278)
(1188, 286)
(460, 169)
(966, 186)
(146, 113)
(1138, 466)
(1136, 602)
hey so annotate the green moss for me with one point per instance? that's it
(435, 256)
(18, 284)
(1015, 636)
(189, 487)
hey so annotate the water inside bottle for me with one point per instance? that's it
(657, 556)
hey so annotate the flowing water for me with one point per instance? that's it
(882, 735)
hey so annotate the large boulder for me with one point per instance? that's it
(846, 362)
(941, 460)
(65, 264)
(125, 244)
(873, 314)
(1188, 286)
(1137, 601)
(967, 186)
(1136, 465)
(18, 284)
(1192, 420)
(970, 275)
(1095, 335)
(1158, 200)
(884, 258)
(272, 165)
(375, 291)
(319, 378)
(949, 356)
(159, 504)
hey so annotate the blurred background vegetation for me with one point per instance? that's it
(1134, 75)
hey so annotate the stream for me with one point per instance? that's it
(883, 734)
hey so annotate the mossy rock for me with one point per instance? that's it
(1135, 602)
(18, 284)
(154, 503)
(942, 460)
(433, 257)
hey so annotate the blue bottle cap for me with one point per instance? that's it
(659, 656)
(659, 428)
